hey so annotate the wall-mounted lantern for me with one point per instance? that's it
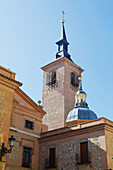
(4, 150)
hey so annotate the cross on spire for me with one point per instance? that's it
(62, 43)
(63, 13)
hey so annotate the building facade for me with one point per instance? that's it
(77, 139)
(82, 146)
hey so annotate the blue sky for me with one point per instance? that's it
(30, 28)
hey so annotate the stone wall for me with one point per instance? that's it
(68, 149)
(67, 157)
(9, 167)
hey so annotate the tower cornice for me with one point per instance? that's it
(63, 59)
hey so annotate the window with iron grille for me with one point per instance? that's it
(29, 124)
(51, 79)
(74, 79)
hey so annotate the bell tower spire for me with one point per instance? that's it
(62, 43)
(60, 83)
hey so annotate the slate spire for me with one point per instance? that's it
(62, 44)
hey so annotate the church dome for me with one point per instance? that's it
(81, 112)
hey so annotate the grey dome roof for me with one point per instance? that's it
(79, 113)
(80, 92)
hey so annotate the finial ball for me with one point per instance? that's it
(39, 102)
(79, 78)
(62, 21)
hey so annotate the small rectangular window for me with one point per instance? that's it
(29, 124)
(72, 78)
(53, 77)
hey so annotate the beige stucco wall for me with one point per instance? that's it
(7, 87)
(21, 111)
(109, 144)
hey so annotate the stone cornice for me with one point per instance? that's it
(9, 82)
(72, 133)
(63, 59)
(109, 127)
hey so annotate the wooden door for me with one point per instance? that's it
(52, 153)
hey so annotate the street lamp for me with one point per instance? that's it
(4, 150)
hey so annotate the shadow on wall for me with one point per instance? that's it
(72, 155)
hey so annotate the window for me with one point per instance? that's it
(29, 124)
(52, 157)
(27, 154)
(84, 152)
(73, 79)
(53, 77)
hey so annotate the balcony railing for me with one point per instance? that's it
(50, 163)
(86, 158)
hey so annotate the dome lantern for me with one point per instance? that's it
(81, 112)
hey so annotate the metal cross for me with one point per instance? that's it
(63, 13)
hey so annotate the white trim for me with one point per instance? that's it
(26, 133)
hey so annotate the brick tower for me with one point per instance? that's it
(60, 83)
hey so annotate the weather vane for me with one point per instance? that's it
(63, 13)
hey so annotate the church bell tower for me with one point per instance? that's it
(60, 83)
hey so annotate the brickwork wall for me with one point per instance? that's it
(53, 99)
(59, 100)
(70, 91)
